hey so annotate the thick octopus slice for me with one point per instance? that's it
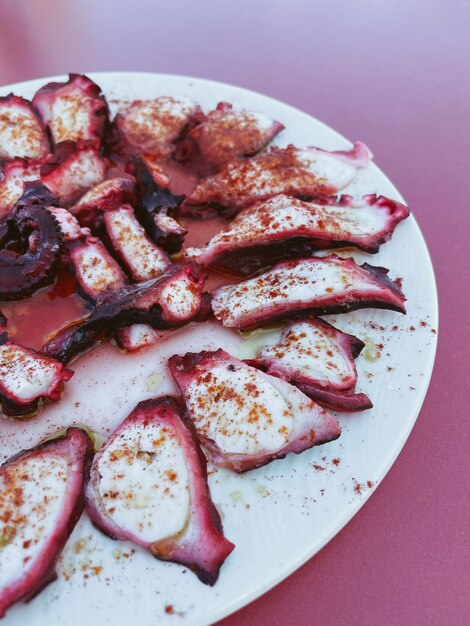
(316, 285)
(106, 196)
(74, 168)
(167, 302)
(28, 379)
(300, 172)
(152, 127)
(74, 110)
(318, 359)
(148, 484)
(155, 205)
(244, 417)
(95, 269)
(284, 227)
(21, 131)
(13, 177)
(141, 256)
(225, 135)
(41, 500)
(69, 225)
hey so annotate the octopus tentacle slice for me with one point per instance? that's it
(318, 359)
(74, 110)
(141, 256)
(106, 196)
(301, 172)
(41, 500)
(225, 135)
(152, 127)
(167, 302)
(95, 269)
(14, 175)
(314, 285)
(22, 133)
(148, 484)
(244, 417)
(31, 244)
(28, 379)
(74, 168)
(154, 208)
(285, 227)
(69, 225)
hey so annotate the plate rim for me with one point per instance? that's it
(284, 572)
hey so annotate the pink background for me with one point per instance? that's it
(394, 73)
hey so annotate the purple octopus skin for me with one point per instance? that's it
(95, 269)
(3, 329)
(31, 244)
(284, 227)
(318, 359)
(41, 500)
(155, 206)
(153, 127)
(106, 196)
(300, 172)
(244, 417)
(14, 175)
(140, 255)
(22, 133)
(160, 458)
(74, 110)
(226, 134)
(98, 272)
(167, 302)
(74, 168)
(319, 286)
(28, 379)
(139, 336)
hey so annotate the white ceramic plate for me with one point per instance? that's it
(282, 514)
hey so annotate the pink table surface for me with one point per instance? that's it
(394, 73)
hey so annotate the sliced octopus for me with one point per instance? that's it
(315, 285)
(148, 484)
(74, 110)
(244, 417)
(153, 127)
(22, 133)
(167, 302)
(300, 172)
(41, 500)
(284, 227)
(31, 244)
(227, 133)
(318, 359)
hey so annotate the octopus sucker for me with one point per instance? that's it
(31, 244)
(41, 500)
(148, 484)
